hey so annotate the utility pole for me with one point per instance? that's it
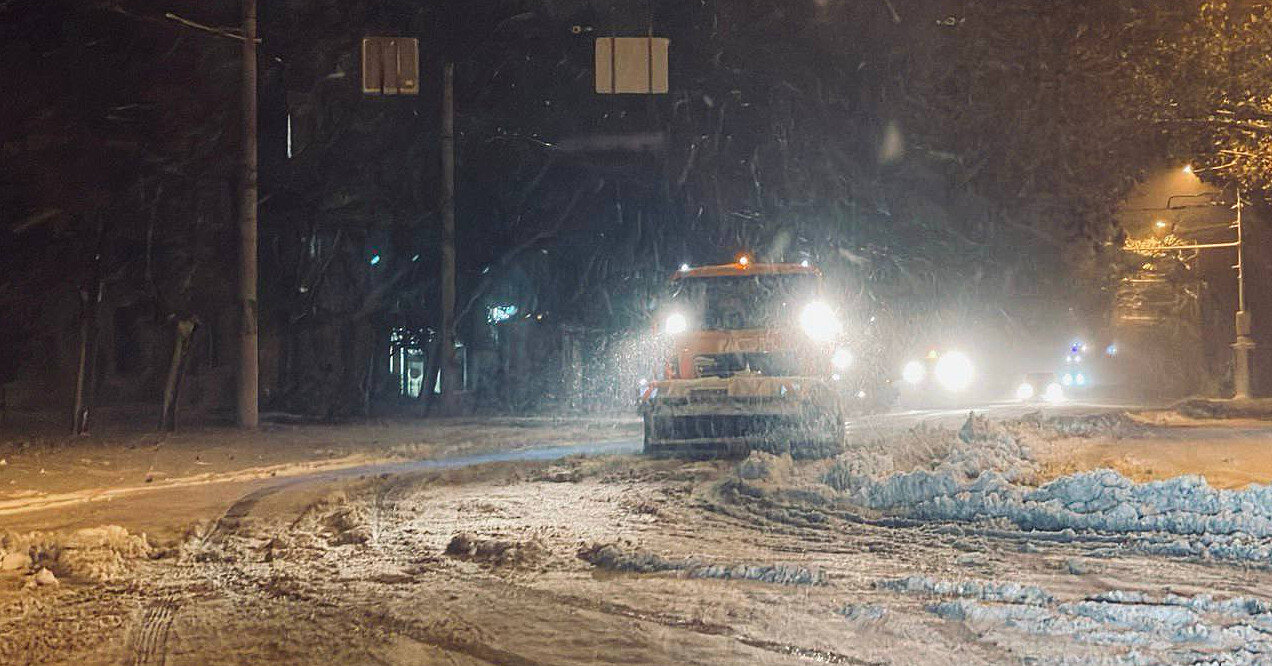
(249, 361)
(1241, 370)
(1244, 344)
(90, 306)
(450, 375)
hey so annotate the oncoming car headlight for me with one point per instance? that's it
(676, 324)
(954, 371)
(1025, 391)
(913, 372)
(1054, 393)
(819, 322)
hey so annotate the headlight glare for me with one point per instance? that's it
(913, 372)
(819, 322)
(1025, 391)
(954, 371)
(676, 324)
(1054, 393)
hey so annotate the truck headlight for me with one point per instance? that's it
(954, 371)
(913, 372)
(819, 322)
(676, 324)
(841, 359)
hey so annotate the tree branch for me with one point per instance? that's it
(219, 32)
(521, 247)
(1250, 126)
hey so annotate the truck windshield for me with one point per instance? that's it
(745, 301)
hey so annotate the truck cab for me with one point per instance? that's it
(755, 359)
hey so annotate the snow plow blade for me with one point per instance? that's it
(731, 417)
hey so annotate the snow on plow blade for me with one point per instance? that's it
(734, 416)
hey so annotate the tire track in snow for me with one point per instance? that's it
(149, 645)
(696, 626)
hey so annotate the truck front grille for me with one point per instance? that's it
(708, 395)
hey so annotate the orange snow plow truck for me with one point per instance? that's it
(755, 360)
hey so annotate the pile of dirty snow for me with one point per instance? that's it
(1101, 500)
(980, 479)
(336, 519)
(1113, 627)
(761, 466)
(616, 558)
(1208, 408)
(1107, 424)
(914, 448)
(979, 457)
(971, 589)
(497, 552)
(95, 554)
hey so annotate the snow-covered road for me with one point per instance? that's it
(922, 545)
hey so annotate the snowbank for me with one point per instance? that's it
(1108, 424)
(984, 590)
(1120, 627)
(496, 552)
(96, 554)
(615, 558)
(979, 480)
(1208, 408)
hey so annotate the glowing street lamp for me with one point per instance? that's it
(1244, 344)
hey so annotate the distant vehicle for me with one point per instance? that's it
(756, 360)
(939, 378)
(1040, 387)
(1076, 375)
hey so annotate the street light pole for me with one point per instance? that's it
(249, 361)
(451, 381)
(1244, 344)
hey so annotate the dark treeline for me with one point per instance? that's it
(966, 154)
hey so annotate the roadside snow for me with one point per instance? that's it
(96, 554)
(1150, 630)
(615, 558)
(1029, 595)
(864, 613)
(979, 479)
